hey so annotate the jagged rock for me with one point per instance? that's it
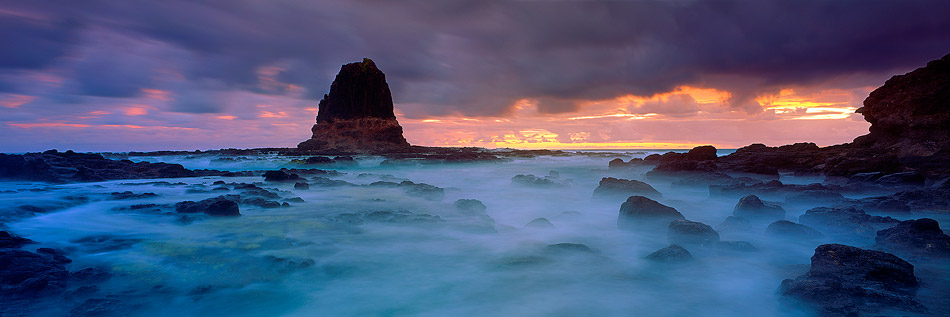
(281, 176)
(935, 198)
(915, 237)
(610, 187)
(791, 230)
(846, 281)
(301, 186)
(62, 167)
(753, 208)
(671, 254)
(534, 181)
(8, 240)
(27, 274)
(685, 232)
(641, 212)
(357, 115)
(218, 206)
(820, 196)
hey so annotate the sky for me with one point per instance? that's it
(185, 75)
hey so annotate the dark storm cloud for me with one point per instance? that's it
(478, 57)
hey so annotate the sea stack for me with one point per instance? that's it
(357, 117)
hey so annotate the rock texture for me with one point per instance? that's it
(639, 212)
(753, 208)
(921, 237)
(357, 115)
(845, 281)
(610, 187)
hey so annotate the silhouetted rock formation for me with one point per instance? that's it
(639, 212)
(357, 115)
(846, 281)
(908, 143)
(60, 167)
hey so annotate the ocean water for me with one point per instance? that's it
(308, 260)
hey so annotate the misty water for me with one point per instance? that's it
(308, 260)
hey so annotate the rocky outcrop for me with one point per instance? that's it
(752, 208)
(846, 281)
(639, 212)
(687, 232)
(63, 167)
(921, 237)
(610, 187)
(672, 255)
(219, 206)
(357, 115)
(790, 230)
(845, 222)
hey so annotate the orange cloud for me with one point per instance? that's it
(13, 101)
(80, 125)
(268, 114)
(157, 94)
(137, 110)
(226, 117)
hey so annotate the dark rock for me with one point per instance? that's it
(791, 230)
(610, 187)
(671, 254)
(57, 167)
(753, 208)
(423, 190)
(847, 221)
(639, 212)
(390, 217)
(54, 255)
(904, 178)
(847, 281)
(90, 275)
(921, 237)
(702, 153)
(8, 240)
(281, 176)
(685, 232)
(130, 195)
(357, 115)
(534, 181)
(735, 224)
(473, 206)
(539, 223)
(301, 186)
(25, 274)
(561, 248)
(319, 160)
(935, 198)
(218, 206)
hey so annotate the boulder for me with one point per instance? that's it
(301, 186)
(791, 230)
(281, 176)
(610, 187)
(847, 221)
(847, 281)
(921, 237)
(639, 212)
(685, 232)
(752, 208)
(671, 254)
(218, 206)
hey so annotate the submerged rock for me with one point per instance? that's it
(671, 254)
(684, 232)
(218, 206)
(753, 208)
(8, 240)
(281, 176)
(640, 212)
(534, 181)
(791, 230)
(24, 274)
(610, 187)
(539, 223)
(845, 221)
(845, 280)
(921, 237)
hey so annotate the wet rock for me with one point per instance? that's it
(8, 240)
(218, 206)
(301, 186)
(735, 224)
(130, 195)
(610, 187)
(24, 274)
(539, 223)
(847, 221)
(281, 176)
(90, 275)
(640, 212)
(824, 197)
(752, 208)
(105, 243)
(54, 255)
(534, 181)
(564, 248)
(390, 217)
(685, 232)
(69, 166)
(791, 230)
(671, 254)
(423, 190)
(472, 206)
(934, 198)
(847, 281)
(921, 237)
